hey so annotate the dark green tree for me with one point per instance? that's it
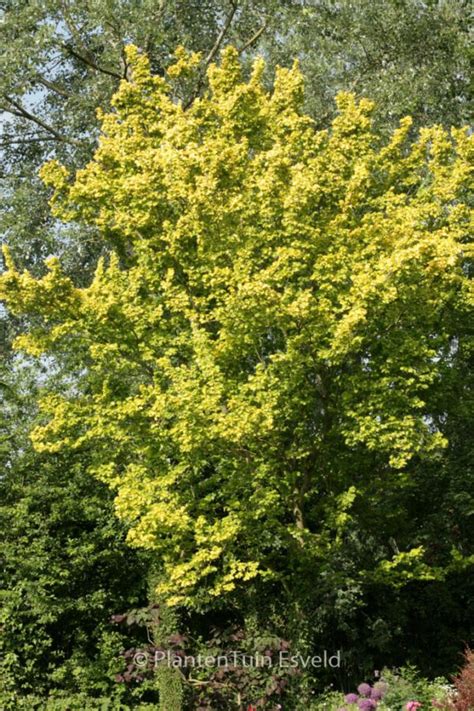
(65, 567)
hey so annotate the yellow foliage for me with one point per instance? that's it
(279, 294)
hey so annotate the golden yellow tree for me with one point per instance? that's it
(272, 307)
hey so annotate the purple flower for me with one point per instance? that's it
(366, 704)
(351, 698)
(379, 690)
(364, 690)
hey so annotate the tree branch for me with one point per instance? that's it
(75, 33)
(54, 87)
(18, 141)
(24, 113)
(253, 38)
(90, 62)
(212, 53)
(221, 35)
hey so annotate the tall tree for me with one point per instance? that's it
(272, 321)
(63, 59)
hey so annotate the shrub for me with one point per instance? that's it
(394, 691)
(463, 697)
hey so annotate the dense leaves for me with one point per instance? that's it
(276, 307)
(65, 567)
(64, 59)
(269, 368)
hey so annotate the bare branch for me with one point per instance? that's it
(213, 52)
(75, 32)
(5, 141)
(9, 110)
(6, 176)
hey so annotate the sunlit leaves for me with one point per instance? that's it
(279, 295)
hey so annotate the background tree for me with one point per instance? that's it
(412, 58)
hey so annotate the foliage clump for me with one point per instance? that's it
(278, 304)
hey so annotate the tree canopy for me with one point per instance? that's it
(63, 59)
(279, 304)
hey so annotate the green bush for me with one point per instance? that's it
(403, 685)
(67, 702)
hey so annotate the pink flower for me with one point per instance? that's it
(412, 706)
(364, 690)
